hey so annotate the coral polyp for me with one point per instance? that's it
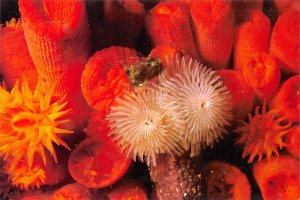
(263, 134)
(142, 128)
(24, 178)
(198, 96)
(30, 122)
(10, 26)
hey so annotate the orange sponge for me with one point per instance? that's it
(242, 94)
(15, 60)
(263, 74)
(104, 76)
(168, 23)
(285, 42)
(251, 36)
(213, 27)
(287, 99)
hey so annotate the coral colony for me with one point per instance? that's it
(87, 87)
(263, 134)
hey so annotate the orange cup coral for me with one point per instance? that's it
(24, 177)
(278, 178)
(263, 134)
(287, 99)
(10, 26)
(30, 122)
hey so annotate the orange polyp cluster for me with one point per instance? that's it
(25, 178)
(263, 134)
(29, 123)
(11, 25)
(72, 191)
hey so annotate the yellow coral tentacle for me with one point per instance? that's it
(263, 134)
(30, 122)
